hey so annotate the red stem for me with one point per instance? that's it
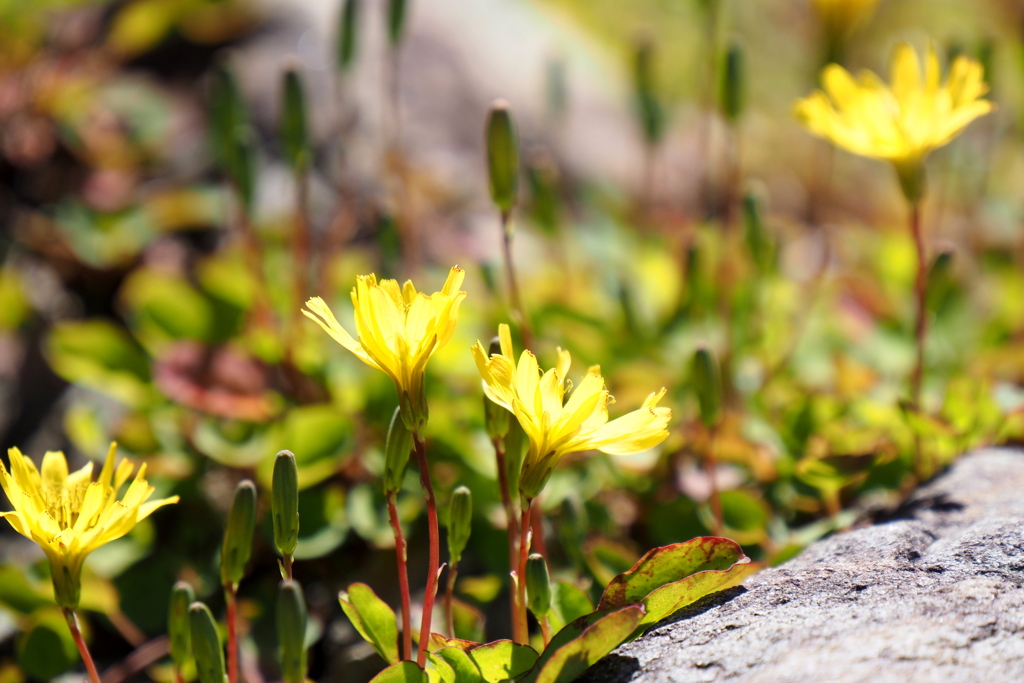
(434, 561)
(522, 634)
(83, 649)
(921, 290)
(403, 577)
(231, 596)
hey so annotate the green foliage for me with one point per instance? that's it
(502, 156)
(502, 660)
(295, 122)
(374, 620)
(285, 503)
(179, 630)
(578, 646)
(402, 672)
(291, 631)
(460, 519)
(348, 34)
(206, 646)
(237, 546)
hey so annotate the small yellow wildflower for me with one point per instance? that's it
(398, 330)
(556, 427)
(900, 123)
(70, 515)
(839, 17)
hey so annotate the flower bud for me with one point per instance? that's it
(244, 168)
(731, 88)
(940, 281)
(348, 32)
(495, 417)
(284, 503)
(652, 116)
(397, 11)
(237, 546)
(294, 122)
(708, 385)
(397, 448)
(759, 243)
(291, 631)
(206, 647)
(227, 114)
(178, 628)
(538, 585)
(460, 521)
(502, 156)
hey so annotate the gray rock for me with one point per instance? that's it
(933, 595)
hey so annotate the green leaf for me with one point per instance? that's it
(668, 564)
(47, 649)
(502, 660)
(100, 356)
(402, 672)
(374, 620)
(566, 658)
(163, 308)
(439, 670)
(568, 603)
(466, 671)
(667, 600)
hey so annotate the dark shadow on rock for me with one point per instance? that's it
(911, 509)
(612, 669)
(701, 606)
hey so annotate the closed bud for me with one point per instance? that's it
(237, 546)
(759, 243)
(731, 90)
(652, 116)
(348, 32)
(397, 10)
(291, 631)
(179, 630)
(538, 585)
(460, 522)
(227, 114)
(502, 156)
(294, 123)
(940, 280)
(708, 385)
(397, 448)
(243, 171)
(206, 647)
(495, 417)
(284, 503)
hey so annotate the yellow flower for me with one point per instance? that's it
(398, 330)
(839, 17)
(900, 123)
(556, 427)
(70, 515)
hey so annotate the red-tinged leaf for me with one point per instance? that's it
(566, 658)
(438, 642)
(667, 565)
(402, 672)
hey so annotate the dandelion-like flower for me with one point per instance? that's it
(555, 426)
(398, 330)
(902, 122)
(70, 515)
(839, 17)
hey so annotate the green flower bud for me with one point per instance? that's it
(237, 546)
(940, 280)
(731, 89)
(759, 242)
(227, 114)
(206, 647)
(294, 122)
(291, 631)
(502, 156)
(348, 32)
(244, 169)
(284, 503)
(538, 585)
(397, 11)
(397, 448)
(495, 417)
(649, 110)
(708, 385)
(460, 521)
(179, 630)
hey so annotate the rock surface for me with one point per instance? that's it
(933, 594)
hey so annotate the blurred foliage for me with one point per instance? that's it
(147, 296)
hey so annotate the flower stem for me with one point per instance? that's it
(231, 599)
(545, 630)
(288, 562)
(513, 282)
(403, 576)
(449, 594)
(521, 633)
(921, 290)
(434, 561)
(83, 649)
(512, 518)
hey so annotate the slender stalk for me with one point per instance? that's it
(401, 551)
(521, 633)
(711, 468)
(449, 594)
(434, 561)
(513, 282)
(288, 562)
(921, 291)
(545, 630)
(512, 519)
(83, 649)
(231, 598)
